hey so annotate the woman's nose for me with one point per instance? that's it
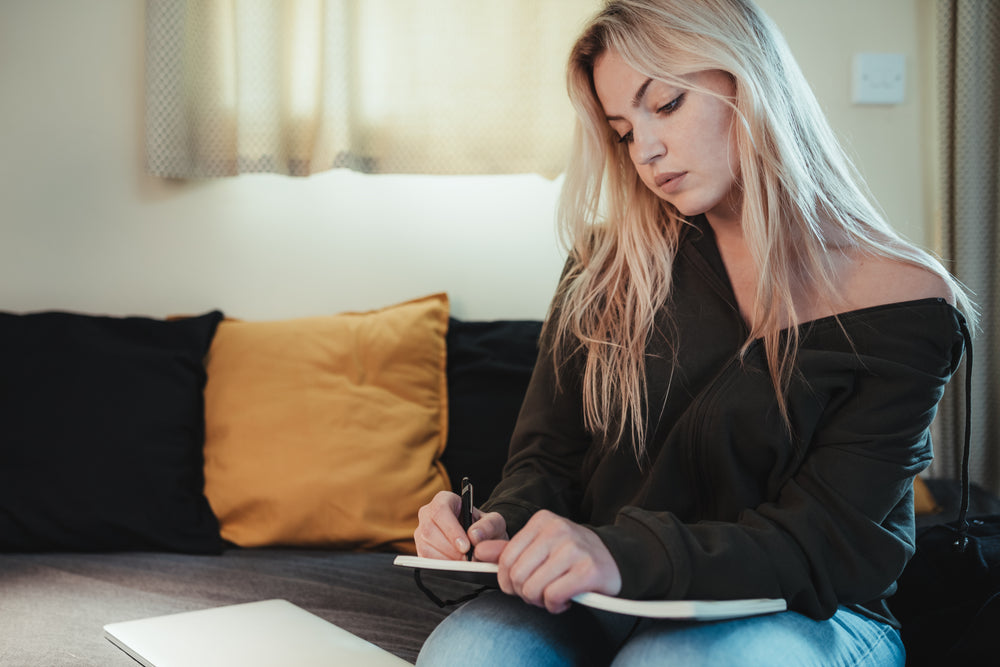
(648, 146)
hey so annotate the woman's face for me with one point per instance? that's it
(681, 141)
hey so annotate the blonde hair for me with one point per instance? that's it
(802, 197)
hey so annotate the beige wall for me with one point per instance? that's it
(81, 226)
(884, 141)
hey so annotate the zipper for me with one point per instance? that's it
(701, 411)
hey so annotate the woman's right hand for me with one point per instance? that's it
(439, 533)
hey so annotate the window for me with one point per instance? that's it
(301, 86)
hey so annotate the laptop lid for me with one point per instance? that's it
(255, 634)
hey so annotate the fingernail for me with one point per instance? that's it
(476, 535)
(463, 544)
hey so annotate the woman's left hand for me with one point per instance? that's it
(550, 560)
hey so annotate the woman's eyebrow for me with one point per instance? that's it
(637, 99)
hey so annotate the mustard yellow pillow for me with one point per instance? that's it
(327, 431)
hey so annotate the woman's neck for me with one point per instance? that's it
(740, 266)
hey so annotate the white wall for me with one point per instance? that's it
(82, 227)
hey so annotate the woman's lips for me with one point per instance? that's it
(670, 181)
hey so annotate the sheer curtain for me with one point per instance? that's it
(300, 86)
(969, 79)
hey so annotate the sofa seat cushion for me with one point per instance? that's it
(55, 604)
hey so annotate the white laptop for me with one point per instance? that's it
(256, 634)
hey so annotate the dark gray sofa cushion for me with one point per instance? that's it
(55, 604)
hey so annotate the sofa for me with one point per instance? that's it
(152, 466)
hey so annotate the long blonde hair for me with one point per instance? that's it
(802, 197)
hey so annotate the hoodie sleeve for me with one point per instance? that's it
(548, 447)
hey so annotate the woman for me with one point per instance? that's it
(736, 378)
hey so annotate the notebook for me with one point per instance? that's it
(691, 610)
(255, 634)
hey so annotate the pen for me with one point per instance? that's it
(465, 514)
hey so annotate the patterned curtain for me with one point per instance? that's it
(301, 86)
(969, 78)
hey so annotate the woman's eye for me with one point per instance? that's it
(667, 108)
(672, 105)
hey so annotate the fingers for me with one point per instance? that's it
(490, 526)
(551, 585)
(534, 560)
(552, 559)
(561, 577)
(489, 551)
(438, 533)
(547, 562)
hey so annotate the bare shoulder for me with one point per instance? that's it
(874, 281)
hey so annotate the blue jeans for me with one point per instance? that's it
(502, 630)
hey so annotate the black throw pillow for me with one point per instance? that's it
(489, 365)
(101, 433)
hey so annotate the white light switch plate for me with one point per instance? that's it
(879, 78)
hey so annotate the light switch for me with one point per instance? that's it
(879, 78)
